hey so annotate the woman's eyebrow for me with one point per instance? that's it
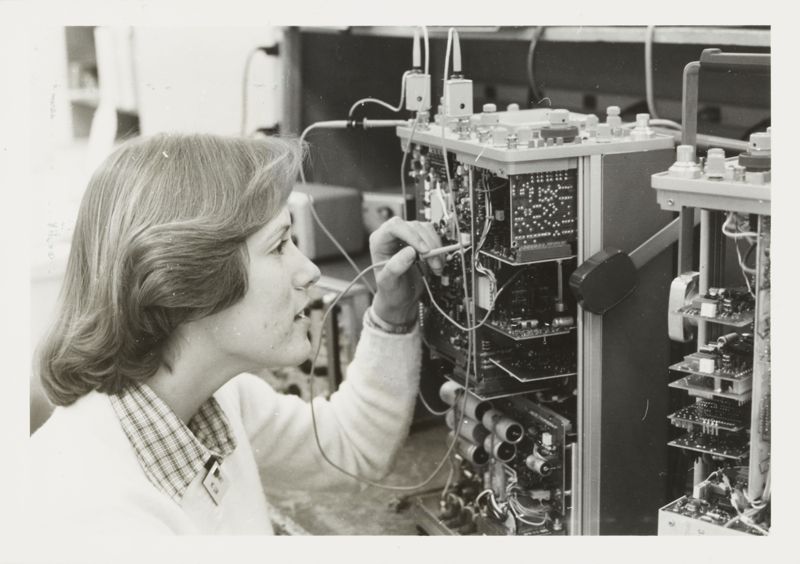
(276, 236)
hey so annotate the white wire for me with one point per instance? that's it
(456, 52)
(660, 122)
(427, 49)
(648, 70)
(381, 102)
(452, 445)
(333, 124)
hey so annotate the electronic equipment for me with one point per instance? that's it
(728, 376)
(531, 195)
(727, 428)
(340, 211)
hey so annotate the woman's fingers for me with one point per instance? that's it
(384, 241)
(421, 237)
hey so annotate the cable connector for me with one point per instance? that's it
(418, 92)
(373, 123)
(457, 89)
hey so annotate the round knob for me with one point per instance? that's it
(642, 120)
(685, 154)
(760, 142)
(512, 107)
(715, 163)
(684, 165)
(490, 107)
(613, 118)
(591, 122)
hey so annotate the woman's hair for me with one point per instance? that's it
(159, 241)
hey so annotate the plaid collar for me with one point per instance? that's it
(170, 452)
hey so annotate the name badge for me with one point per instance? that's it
(215, 483)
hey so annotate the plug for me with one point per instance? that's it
(418, 92)
(458, 96)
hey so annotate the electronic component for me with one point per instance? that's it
(501, 320)
(717, 506)
(729, 374)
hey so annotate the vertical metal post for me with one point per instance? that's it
(760, 415)
(705, 269)
(686, 240)
(590, 384)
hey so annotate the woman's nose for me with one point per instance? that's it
(307, 274)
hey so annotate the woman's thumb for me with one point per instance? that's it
(401, 261)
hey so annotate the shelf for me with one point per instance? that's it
(529, 334)
(691, 416)
(722, 447)
(695, 388)
(742, 319)
(527, 375)
(682, 35)
(691, 365)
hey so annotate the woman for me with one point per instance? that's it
(182, 278)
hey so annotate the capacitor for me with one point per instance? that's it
(470, 429)
(563, 321)
(504, 427)
(727, 306)
(730, 338)
(469, 451)
(501, 450)
(539, 464)
(450, 393)
(726, 361)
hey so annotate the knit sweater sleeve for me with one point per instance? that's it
(360, 427)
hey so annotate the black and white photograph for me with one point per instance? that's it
(394, 279)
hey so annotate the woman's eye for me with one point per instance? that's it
(280, 248)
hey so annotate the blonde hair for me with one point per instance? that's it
(158, 242)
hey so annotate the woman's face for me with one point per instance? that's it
(268, 327)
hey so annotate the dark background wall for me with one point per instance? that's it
(341, 67)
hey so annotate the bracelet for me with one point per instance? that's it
(372, 319)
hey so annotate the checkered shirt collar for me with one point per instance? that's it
(170, 452)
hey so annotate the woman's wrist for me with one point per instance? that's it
(396, 327)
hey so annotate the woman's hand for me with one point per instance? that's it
(399, 285)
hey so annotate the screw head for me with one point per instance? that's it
(670, 202)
